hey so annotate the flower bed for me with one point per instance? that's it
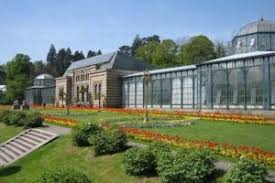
(156, 125)
(62, 121)
(222, 149)
(212, 116)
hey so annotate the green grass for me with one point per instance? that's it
(102, 169)
(261, 136)
(7, 132)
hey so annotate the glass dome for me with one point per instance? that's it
(255, 36)
(44, 80)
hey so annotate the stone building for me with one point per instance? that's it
(96, 81)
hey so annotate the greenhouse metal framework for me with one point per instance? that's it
(244, 80)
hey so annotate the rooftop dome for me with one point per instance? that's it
(258, 26)
(44, 76)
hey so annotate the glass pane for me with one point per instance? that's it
(187, 90)
(166, 92)
(236, 87)
(219, 88)
(139, 93)
(254, 86)
(132, 94)
(156, 92)
(176, 91)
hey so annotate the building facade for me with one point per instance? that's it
(242, 81)
(96, 81)
(42, 91)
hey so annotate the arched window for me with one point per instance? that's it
(187, 90)
(132, 94)
(139, 94)
(156, 93)
(254, 94)
(236, 88)
(219, 89)
(166, 93)
(176, 92)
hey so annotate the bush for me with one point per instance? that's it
(20, 118)
(82, 133)
(158, 148)
(247, 171)
(32, 120)
(17, 118)
(63, 175)
(4, 116)
(140, 162)
(190, 167)
(109, 141)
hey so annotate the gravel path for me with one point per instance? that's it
(59, 130)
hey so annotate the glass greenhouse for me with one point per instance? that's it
(42, 91)
(244, 80)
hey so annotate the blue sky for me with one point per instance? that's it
(30, 26)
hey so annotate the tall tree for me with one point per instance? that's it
(39, 68)
(68, 58)
(220, 49)
(198, 49)
(78, 55)
(161, 54)
(91, 54)
(99, 52)
(125, 49)
(3, 74)
(137, 42)
(60, 59)
(19, 72)
(51, 55)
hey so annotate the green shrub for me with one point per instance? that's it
(158, 148)
(4, 116)
(140, 162)
(190, 167)
(17, 118)
(82, 133)
(32, 120)
(247, 171)
(109, 141)
(63, 175)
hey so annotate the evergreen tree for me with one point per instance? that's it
(125, 49)
(67, 59)
(78, 55)
(51, 55)
(136, 44)
(220, 49)
(99, 52)
(60, 60)
(39, 68)
(91, 54)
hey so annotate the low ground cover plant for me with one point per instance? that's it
(82, 133)
(63, 175)
(247, 171)
(109, 141)
(21, 118)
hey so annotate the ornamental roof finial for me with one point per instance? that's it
(262, 19)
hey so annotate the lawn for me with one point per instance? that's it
(261, 136)
(109, 168)
(102, 169)
(7, 132)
